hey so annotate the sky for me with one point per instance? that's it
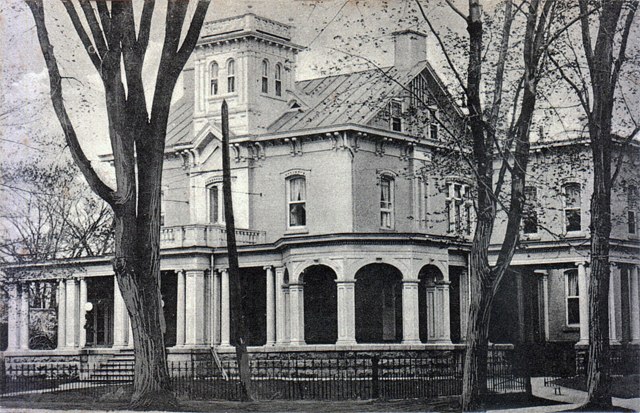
(325, 28)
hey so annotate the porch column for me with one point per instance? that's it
(634, 305)
(180, 310)
(296, 292)
(346, 312)
(120, 317)
(583, 286)
(614, 304)
(281, 315)
(194, 308)
(410, 313)
(24, 316)
(73, 311)
(271, 309)
(215, 308)
(287, 311)
(464, 304)
(13, 318)
(62, 313)
(544, 310)
(225, 314)
(83, 313)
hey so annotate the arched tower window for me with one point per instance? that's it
(213, 76)
(278, 77)
(231, 76)
(265, 76)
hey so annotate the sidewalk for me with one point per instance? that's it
(567, 399)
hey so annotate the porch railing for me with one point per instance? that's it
(207, 236)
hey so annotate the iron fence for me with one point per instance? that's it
(354, 376)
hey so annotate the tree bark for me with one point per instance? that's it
(237, 310)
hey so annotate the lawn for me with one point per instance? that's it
(624, 387)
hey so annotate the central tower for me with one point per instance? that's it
(250, 62)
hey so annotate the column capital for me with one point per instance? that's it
(579, 263)
(346, 282)
(267, 267)
(410, 282)
(222, 270)
(296, 286)
(541, 273)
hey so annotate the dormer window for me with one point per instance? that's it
(231, 76)
(213, 76)
(278, 79)
(265, 76)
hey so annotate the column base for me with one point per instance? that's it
(270, 344)
(346, 342)
(582, 343)
(411, 342)
(297, 343)
(635, 342)
(445, 341)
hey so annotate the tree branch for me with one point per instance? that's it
(94, 181)
(96, 31)
(633, 6)
(91, 50)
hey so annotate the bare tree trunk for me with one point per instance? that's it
(237, 310)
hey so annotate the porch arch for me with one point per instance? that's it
(320, 304)
(378, 302)
(433, 305)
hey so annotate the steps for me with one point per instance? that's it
(118, 367)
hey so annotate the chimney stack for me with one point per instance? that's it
(410, 48)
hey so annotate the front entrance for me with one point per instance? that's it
(99, 312)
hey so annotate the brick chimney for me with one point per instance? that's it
(410, 48)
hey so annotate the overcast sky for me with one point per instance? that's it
(323, 27)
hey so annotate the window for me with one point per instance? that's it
(42, 295)
(573, 297)
(213, 75)
(265, 76)
(216, 204)
(395, 108)
(297, 200)
(459, 209)
(433, 131)
(278, 79)
(530, 213)
(632, 209)
(386, 201)
(572, 211)
(231, 76)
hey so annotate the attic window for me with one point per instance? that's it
(395, 121)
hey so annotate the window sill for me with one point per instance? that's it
(571, 328)
(296, 231)
(575, 234)
(531, 237)
(222, 96)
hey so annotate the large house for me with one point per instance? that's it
(354, 219)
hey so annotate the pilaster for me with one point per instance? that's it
(296, 292)
(346, 312)
(410, 313)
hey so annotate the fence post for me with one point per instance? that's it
(375, 378)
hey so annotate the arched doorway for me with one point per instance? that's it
(378, 304)
(433, 304)
(320, 305)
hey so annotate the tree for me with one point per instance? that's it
(598, 90)
(137, 136)
(57, 215)
(496, 142)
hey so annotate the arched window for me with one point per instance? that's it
(213, 76)
(231, 76)
(216, 204)
(265, 76)
(278, 79)
(386, 201)
(297, 201)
